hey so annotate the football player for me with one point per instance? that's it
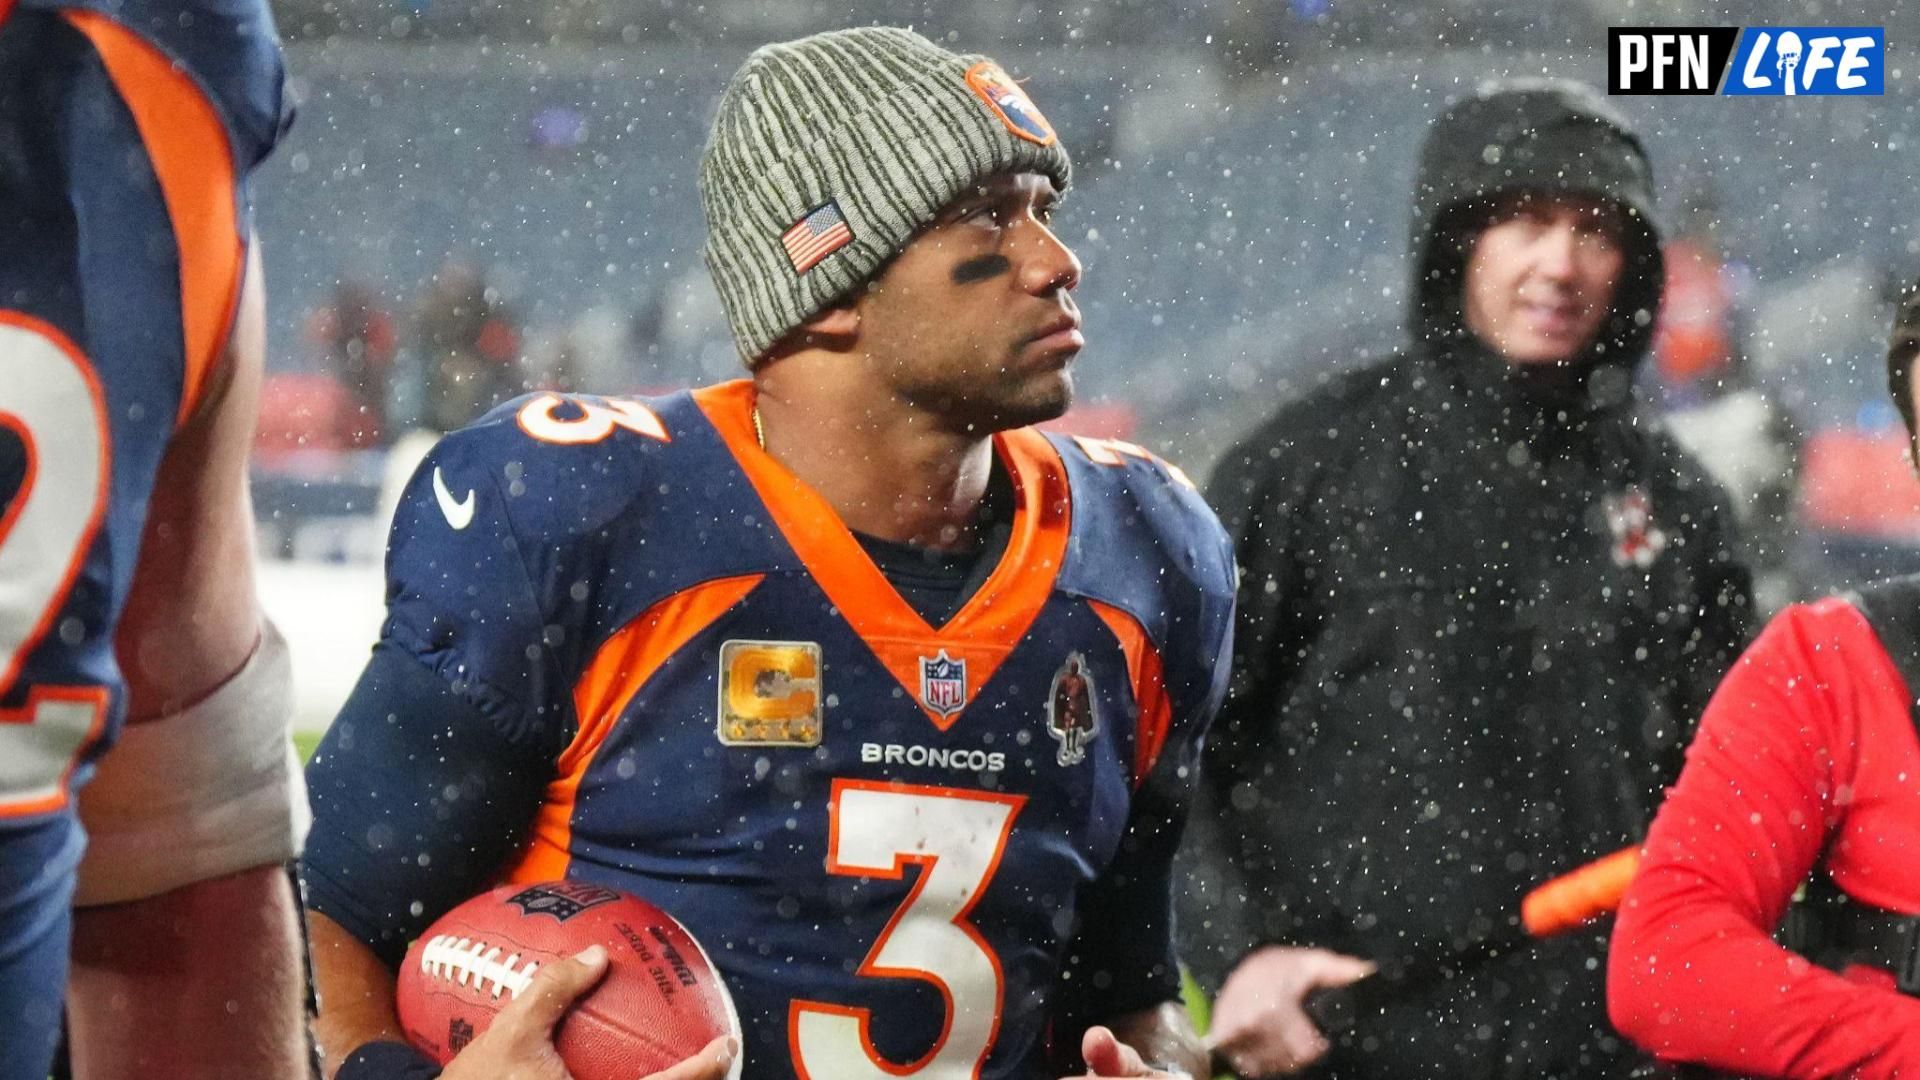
(780, 655)
(131, 345)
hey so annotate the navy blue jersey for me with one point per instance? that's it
(126, 133)
(908, 848)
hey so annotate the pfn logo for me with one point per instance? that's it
(1668, 59)
(1788, 61)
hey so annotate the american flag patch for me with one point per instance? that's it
(821, 233)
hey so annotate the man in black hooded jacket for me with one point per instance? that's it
(1483, 600)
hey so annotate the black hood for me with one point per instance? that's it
(1535, 135)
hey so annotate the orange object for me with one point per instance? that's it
(193, 161)
(1694, 340)
(1575, 898)
(1148, 675)
(305, 412)
(1860, 484)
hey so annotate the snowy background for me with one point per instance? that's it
(1243, 173)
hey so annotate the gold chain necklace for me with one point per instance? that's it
(759, 430)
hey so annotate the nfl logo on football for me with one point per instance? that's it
(943, 683)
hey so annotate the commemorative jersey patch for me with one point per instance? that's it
(1071, 718)
(821, 233)
(1637, 539)
(1010, 103)
(770, 693)
(943, 683)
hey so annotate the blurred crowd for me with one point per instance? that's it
(374, 367)
(375, 374)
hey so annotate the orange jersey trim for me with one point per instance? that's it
(1148, 675)
(94, 698)
(193, 161)
(616, 673)
(985, 631)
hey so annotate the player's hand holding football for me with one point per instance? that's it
(519, 1043)
(1108, 1058)
(1260, 1023)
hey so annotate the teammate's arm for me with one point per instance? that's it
(187, 878)
(200, 981)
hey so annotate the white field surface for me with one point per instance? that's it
(330, 614)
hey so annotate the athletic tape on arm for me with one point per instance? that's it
(206, 792)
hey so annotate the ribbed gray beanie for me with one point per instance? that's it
(831, 152)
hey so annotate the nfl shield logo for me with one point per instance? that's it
(561, 899)
(943, 683)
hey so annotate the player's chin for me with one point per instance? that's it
(1013, 402)
(1039, 397)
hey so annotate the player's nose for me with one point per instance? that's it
(1047, 263)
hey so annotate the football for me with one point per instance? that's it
(659, 1003)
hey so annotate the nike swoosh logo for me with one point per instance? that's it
(459, 512)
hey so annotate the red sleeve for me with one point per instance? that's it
(1812, 714)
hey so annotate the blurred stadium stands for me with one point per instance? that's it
(1234, 230)
(1241, 201)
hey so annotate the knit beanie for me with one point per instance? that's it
(831, 152)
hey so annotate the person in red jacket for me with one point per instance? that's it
(1805, 769)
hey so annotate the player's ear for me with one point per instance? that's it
(841, 322)
(835, 329)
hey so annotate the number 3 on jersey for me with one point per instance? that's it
(590, 421)
(50, 401)
(957, 837)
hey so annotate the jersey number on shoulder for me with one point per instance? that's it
(1116, 452)
(957, 837)
(571, 420)
(51, 402)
